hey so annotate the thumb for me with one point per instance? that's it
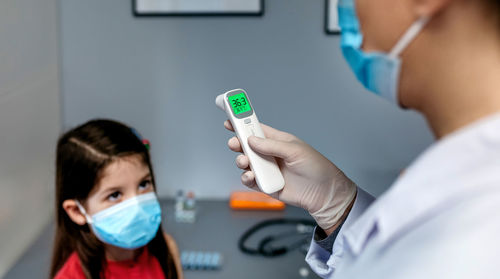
(272, 147)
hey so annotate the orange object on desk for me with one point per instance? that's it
(254, 201)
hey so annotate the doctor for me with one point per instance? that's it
(441, 218)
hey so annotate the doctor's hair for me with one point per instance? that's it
(81, 156)
(495, 4)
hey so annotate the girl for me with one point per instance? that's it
(108, 216)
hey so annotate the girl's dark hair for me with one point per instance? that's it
(82, 155)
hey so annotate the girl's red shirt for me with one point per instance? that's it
(146, 266)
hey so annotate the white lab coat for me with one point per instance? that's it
(440, 219)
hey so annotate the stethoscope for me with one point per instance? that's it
(267, 246)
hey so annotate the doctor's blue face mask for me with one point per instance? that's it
(130, 224)
(378, 72)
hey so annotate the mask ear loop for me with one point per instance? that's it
(409, 36)
(82, 210)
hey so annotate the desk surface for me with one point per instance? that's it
(217, 228)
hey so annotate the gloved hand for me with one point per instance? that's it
(311, 180)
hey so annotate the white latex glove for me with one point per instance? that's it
(311, 180)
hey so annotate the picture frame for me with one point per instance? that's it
(331, 18)
(160, 8)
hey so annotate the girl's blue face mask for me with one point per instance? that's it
(378, 72)
(130, 224)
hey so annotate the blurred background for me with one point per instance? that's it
(63, 62)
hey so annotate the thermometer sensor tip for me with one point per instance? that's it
(219, 101)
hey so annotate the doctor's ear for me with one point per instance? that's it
(73, 212)
(429, 7)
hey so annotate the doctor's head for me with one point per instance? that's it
(407, 50)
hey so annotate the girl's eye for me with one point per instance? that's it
(145, 184)
(115, 196)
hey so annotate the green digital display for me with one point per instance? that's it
(239, 103)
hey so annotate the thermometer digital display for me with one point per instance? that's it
(239, 103)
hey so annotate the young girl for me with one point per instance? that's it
(108, 215)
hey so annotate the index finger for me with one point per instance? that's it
(228, 125)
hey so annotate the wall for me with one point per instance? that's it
(29, 121)
(162, 75)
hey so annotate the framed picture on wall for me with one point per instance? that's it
(198, 7)
(331, 17)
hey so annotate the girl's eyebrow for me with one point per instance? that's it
(111, 190)
(148, 175)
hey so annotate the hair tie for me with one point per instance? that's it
(144, 141)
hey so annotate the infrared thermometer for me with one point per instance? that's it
(240, 112)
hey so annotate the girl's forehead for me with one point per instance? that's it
(130, 162)
(122, 171)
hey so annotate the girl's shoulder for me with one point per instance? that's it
(71, 269)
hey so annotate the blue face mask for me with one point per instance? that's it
(378, 72)
(130, 224)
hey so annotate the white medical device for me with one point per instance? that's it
(245, 123)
